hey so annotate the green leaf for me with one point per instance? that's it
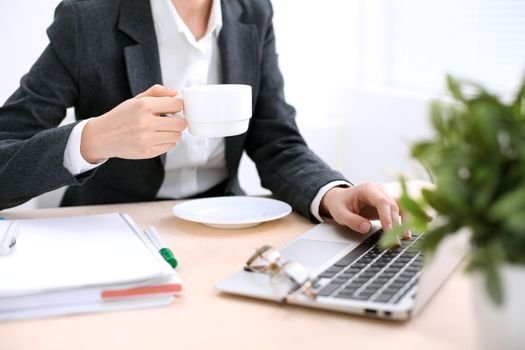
(476, 261)
(510, 204)
(412, 207)
(431, 239)
(488, 258)
(436, 113)
(419, 225)
(452, 189)
(492, 278)
(454, 88)
(486, 124)
(433, 199)
(515, 223)
(404, 188)
(426, 153)
(514, 246)
(487, 182)
(519, 102)
(417, 217)
(389, 238)
(493, 285)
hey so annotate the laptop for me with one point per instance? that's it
(351, 274)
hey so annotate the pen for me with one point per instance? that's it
(154, 236)
(9, 239)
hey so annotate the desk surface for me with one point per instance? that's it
(206, 319)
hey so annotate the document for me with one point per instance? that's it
(83, 264)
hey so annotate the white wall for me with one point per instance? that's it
(377, 64)
(23, 38)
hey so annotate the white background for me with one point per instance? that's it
(359, 72)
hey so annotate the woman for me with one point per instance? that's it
(108, 59)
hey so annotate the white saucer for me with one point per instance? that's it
(231, 212)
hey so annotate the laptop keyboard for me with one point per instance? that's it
(371, 273)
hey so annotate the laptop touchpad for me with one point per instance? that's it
(312, 254)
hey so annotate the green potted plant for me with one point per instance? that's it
(477, 164)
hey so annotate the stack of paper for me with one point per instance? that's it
(82, 264)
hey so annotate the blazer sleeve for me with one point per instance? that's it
(31, 145)
(285, 163)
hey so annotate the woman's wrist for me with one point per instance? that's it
(328, 199)
(91, 147)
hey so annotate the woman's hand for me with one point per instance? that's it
(356, 206)
(135, 129)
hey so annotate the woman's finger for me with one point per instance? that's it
(370, 195)
(407, 234)
(398, 215)
(157, 90)
(345, 217)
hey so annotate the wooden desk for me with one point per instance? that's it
(206, 319)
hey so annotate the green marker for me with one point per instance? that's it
(154, 236)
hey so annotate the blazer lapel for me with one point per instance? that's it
(238, 43)
(142, 59)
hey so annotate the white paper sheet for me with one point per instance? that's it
(73, 252)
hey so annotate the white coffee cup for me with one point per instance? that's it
(217, 110)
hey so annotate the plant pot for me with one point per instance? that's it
(501, 327)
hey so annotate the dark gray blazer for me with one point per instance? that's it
(103, 52)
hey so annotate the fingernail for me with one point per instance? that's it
(364, 227)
